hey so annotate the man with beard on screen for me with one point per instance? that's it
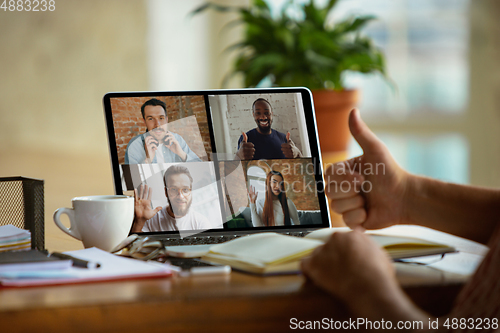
(178, 215)
(158, 144)
(263, 142)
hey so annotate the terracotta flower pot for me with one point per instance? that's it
(332, 114)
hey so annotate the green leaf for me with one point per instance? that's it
(216, 7)
(300, 50)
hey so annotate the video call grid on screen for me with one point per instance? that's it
(208, 127)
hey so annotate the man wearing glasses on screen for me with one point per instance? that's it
(178, 215)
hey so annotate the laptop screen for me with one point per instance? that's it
(217, 160)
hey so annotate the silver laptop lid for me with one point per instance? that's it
(218, 161)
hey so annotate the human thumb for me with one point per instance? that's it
(362, 133)
(287, 136)
(245, 138)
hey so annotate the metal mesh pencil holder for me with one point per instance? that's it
(22, 205)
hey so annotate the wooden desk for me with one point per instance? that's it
(232, 303)
(237, 302)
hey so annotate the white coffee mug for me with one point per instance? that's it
(102, 221)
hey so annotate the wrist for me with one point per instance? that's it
(384, 300)
(412, 188)
(138, 224)
(416, 198)
(183, 156)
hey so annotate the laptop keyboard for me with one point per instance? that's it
(195, 240)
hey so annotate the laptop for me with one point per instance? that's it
(208, 166)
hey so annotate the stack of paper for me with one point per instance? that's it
(112, 267)
(13, 238)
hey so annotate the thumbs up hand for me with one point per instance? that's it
(289, 149)
(246, 150)
(369, 190)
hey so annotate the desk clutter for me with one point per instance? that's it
(262, 254)
(21, 266)
(111, 268)
(271, 253)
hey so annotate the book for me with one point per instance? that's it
(32, 260)
(112, 268)
(273, 253)
(13, 238)
(398, 247)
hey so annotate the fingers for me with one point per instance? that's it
(136, 196)
(150, 141)
(247, 151)
(245, 138)
(342, 186)
(286, 149)
(151, 146)
(341, 206)
(309, 264)
(143, 193)
(362, 133)
(142, 189)
(171, 142)
(354, 218)
(287, 136)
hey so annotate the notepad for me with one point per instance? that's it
(272, 253)
(32, 260)
(113, 267)
(13, 238)
(398, 247)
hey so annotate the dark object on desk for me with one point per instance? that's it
(29, 261)
(76, 262)
(191, 266)
(23, 206)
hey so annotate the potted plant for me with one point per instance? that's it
(301, 47)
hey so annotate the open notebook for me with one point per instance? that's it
(220, 163)
(272, 253)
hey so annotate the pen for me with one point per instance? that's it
(76, 262)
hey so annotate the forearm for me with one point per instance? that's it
(256, 220)
(465, 211)
(138, 224)
(183, 156)
(388, 302)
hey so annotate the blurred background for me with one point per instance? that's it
(443, 120)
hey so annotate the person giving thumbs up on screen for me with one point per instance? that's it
(263, 142)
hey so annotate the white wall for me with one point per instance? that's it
(188, 52)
